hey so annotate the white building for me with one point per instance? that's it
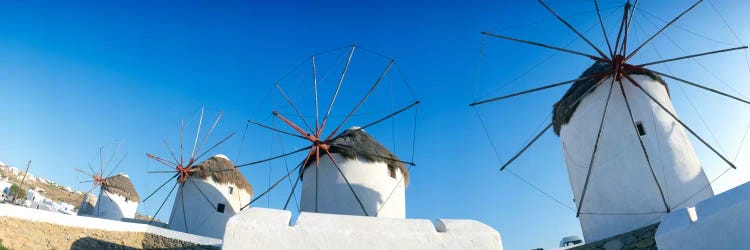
(376, 175)
(623, 193)
(117, 199)
(206, 200)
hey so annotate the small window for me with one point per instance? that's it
(220, 208)
(231, 189)
(641, 130)
(126, 199)
(214, 178)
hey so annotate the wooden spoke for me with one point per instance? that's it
(546, 46)
(662, 29)
(596, 147)
(681, 123)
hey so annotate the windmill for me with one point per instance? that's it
(117, 198)
(616, 124)
(345, 171)
(209, 192)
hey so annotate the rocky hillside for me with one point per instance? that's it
(52, 190)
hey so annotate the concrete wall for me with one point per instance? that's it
(262, 228)
(370, 180)
(720, 222)
(200, 198)
(101, 224)
(114, 206)
(622, 195)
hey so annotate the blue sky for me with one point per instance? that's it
(77, 76)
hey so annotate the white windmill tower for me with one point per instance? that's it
(117, 197)
(209, 192)
(350, 172)
(615, 123)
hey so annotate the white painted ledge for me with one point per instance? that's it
(100, 224)
(271, 229)
(720, 222)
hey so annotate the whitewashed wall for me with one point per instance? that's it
(370, 180)
(721, 222)
(271, 229)
(200, 216)
(114, 206)
(621, 181)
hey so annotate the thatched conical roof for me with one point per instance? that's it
(355, 142)
(222, 170)
(566, 106)
(120, 184)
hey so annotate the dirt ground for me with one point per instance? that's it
(22, 234)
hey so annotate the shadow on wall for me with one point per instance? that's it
(366, 194)
(149, 242)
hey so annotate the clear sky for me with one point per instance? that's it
(77, 76)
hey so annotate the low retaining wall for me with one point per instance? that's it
(720, 222)
(272, 229)
(54, 230)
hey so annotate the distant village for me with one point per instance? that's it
(31, 195)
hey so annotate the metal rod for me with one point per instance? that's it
(573, 29)
(525, 147)
(275, 129)
(162, 203)
(338, 87)
(535, 89)
(289, 198)
(202, 194)
(182, 130)
(604, 31)
(548, 126)
(662, 29)
(683, 124)
(545, 46)
(215, 145)
(382, 75)
(315, 88)
(288, 100)
(381, 119)
(691, 56)
(596, 146)
(213, 126)
(643, 145)
(170, 151)
(273, 158)
(271, 187)
(197, 134)
(162, 185)
(622, 26)
(117, 165)
(87, 174)
(330, 156)
(20, 187)
(702, 87)
(182, 200)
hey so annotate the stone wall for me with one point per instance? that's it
(24, 228)
(642, 238)
(23, 234)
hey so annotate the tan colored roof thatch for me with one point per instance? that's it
(120, 184)
(356, 142)
(566, 106)
(210, 168)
